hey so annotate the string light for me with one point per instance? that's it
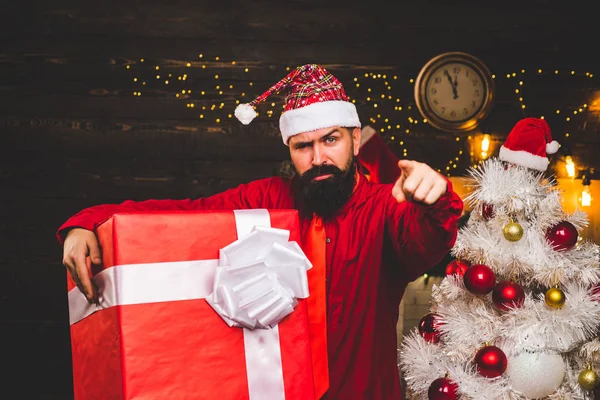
(382, 92)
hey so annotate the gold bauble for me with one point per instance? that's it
(513, 231)
(588, 379)
(555, 297)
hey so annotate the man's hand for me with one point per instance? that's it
(418, 182)
(80, 251)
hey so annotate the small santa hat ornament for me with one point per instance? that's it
(528, 144)
(314, 99)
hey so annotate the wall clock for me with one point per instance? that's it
(454, 91)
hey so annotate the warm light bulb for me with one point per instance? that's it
(485, 143)
(570, 166)
(586, 196)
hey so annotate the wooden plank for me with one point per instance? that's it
(124, 138)
(282, 20)
(525, 53)
(126, 106)
(121, 179)
(68, 138)
(46, 69)
(106, 76)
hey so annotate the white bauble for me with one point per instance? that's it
(535, 374)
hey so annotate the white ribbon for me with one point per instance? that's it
(267, 280)
(259, 276)
(123, 285)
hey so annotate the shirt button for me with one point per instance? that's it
(327, 240)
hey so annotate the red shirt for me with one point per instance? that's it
(375, 247)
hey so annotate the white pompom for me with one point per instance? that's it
(245, 113)
(552, 147)
(536, 375)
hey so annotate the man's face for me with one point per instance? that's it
(328, 146)
(324, 161)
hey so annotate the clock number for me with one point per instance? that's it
(443, 110)
(465, 111)
(436, 102)
(433, 90)
(467, 73)
(457, 70)
(475, 82)
(477, 94)
(473, 103)
(453, 113)
(437, 79)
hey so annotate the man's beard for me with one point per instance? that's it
(325, 197)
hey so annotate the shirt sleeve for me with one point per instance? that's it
(255, 194)
(423, 234)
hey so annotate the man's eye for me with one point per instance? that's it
(330, 139)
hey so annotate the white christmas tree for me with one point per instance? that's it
(517, 315)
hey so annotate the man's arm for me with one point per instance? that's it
(80, 245)
(252, 195)
(422, 223)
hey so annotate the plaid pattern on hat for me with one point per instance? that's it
(316, 84)
(314, 99)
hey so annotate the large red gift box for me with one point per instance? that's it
(153, 344)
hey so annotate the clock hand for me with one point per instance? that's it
(448, 76)
(453, 84)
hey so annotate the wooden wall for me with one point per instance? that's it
(74, 134)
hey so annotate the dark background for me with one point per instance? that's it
(74, 132)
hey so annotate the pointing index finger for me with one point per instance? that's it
(406, 166)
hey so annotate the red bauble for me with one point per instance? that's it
(429, 328)
(442, 389)
(458, 267)
(487, 211)
(479, 279)
(507, 295)
(491, 361)
(562, 236)
(596, 293)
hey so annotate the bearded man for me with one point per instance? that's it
(376, 238)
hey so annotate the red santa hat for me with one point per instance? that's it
(528, 143)
(314, 99)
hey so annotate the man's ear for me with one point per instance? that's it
(356, 135)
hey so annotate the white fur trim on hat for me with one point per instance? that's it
(245, 113)
(523, 158)
(318, 115)
(552, 147)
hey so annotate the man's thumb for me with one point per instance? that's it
(95, 255)
(397, 191)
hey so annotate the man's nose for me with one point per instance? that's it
(319, 157)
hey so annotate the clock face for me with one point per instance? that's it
(455, 92)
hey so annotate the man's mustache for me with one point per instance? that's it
(321, 170)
